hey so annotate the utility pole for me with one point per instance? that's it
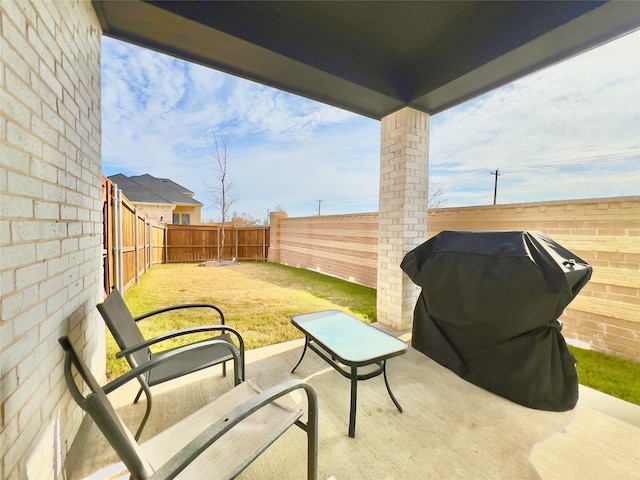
(495, 188)
(319, 202)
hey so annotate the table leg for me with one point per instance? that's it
(386, 382)
(304, 350)
(354, 401)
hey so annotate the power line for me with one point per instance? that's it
(578, 162)
(480, 174)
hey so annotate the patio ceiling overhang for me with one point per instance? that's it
(372, 58)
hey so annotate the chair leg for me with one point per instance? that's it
(147, 393)
(224, 369)
(138, 396)
(312, 433)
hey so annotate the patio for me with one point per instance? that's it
(449, 428)
(397, 63)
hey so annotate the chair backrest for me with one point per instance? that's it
(97, 405)
(123, 327)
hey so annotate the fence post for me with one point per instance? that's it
(148, 245)
(236, 228)
(114, 248)
(274, 243)
(219, 244)
(118, 243)
(136, 243)
(166, 244)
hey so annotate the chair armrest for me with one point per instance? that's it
(180, 307)
(178, 333)
(188, 331)
(212, 433)
(145, 367)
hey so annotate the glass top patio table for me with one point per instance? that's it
(352, 341)
(347, 344)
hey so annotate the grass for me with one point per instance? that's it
(259, 300)
(613, 375)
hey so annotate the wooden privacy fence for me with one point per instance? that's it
(198, 243)
(604, 232)
(130, 242)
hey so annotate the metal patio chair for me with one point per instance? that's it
(216, 442)
(135, 348)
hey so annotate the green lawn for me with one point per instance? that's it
(259, 300)
(616, 376)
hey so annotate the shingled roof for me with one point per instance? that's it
(149, 189)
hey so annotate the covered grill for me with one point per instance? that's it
(489, 311)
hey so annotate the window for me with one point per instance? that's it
(186, 219)
(176, 218)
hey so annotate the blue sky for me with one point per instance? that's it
(570, 131)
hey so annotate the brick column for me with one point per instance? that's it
(274, 236)
(402, 221)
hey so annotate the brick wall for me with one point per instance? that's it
(50, 224)
(156, 212)
(603, 232)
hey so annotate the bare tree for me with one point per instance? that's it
(221, 193)
(435, 196)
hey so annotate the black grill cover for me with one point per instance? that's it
(488, 311)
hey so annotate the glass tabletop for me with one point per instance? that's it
(352, 340)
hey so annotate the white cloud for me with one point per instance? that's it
(159, 114)
(584, 110)
(261, 109)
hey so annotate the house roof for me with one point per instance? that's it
(372, 58)
(149, 189)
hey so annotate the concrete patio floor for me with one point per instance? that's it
(450, 428)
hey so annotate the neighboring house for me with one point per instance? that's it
(159, 199)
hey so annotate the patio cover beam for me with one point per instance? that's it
(372, 58)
